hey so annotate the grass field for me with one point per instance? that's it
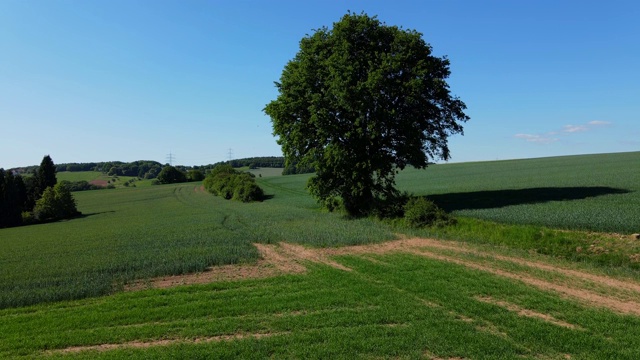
(127, 234)
(89, 176)
(438, 301)
(507, 289)
(587, 192)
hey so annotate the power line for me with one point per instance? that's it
(230, 154)
(170, 158)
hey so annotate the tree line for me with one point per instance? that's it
(36, 198)
(143, 169)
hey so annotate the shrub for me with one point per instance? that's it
(171, 175)
(421, 212)
(195, 175)
(393, 206)
(226, 182)
(56, 203)
(247, 192)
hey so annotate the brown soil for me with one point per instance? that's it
(291, 258)
(99, 182)
(163, 342)
(527, 313)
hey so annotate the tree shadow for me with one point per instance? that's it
(500, 198)
(82, 215)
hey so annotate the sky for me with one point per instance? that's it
(91, 81)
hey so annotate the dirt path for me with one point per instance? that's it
(287, 258)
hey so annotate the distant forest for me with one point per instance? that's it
(147, 169)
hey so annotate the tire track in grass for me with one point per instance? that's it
(164, 342)
(586, 296)
(290, 258)
(526, 312)
(604, 280)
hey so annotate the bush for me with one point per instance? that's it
(171, 175)
(195, 175)
(421, 212)
(393, 206)
(248, 192)
(56, 203)
(226, 182)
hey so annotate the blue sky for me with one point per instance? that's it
(128, 80)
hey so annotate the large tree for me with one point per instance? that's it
(12, 199)
(360, 101)
(171, 175)
(45, 176)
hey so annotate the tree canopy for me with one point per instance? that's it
(171, 175)
(45, 175)
(35, 198)
(360, 101)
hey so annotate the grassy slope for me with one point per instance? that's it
(134, 233)
(588, 192)
(376, 311)
(89, 176)
(78, 175)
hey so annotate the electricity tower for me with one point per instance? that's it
(170, 158)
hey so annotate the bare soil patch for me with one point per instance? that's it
(163, 342)
(99, 182)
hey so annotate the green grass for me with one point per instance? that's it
(397, 306)
(400, 306)
(587, 192)
(134, 233)
(79, 175)
(117, 181)
(266, 172)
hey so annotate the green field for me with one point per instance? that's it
(117, 181)
(386, 306)
(81, 175)
(513, 287)
(587, 192)
(134, 233)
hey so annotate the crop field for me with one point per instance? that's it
(411, 298)
(100, 178)
(127, 234)
(586, 192)
(81, 175)
(170, 271)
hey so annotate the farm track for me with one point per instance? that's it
(622, 296)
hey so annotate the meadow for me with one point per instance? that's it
(133, 233)
(89, 176)
(530, 274)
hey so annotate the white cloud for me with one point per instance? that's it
(599, 123)
(547, 138)
(540, 139)
(574, 128)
